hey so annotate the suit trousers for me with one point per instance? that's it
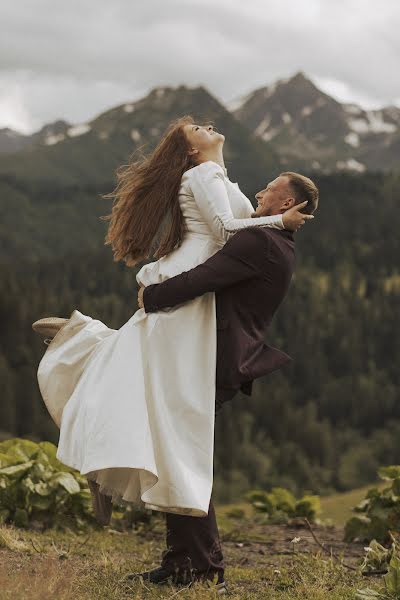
(193, 544)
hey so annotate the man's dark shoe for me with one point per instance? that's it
(159, 575)
(186, 578)
(162, 576)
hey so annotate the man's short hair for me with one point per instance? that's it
(303, 189)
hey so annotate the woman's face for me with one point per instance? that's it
(203, 137)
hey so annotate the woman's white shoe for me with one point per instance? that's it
(48, 327)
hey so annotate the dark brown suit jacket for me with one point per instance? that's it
(250, 275)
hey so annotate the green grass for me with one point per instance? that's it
(67, 566)
(337, 507)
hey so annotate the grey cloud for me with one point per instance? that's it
(78, 58)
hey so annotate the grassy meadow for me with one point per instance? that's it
(262, 561)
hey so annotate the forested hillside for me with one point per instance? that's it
(326, 422)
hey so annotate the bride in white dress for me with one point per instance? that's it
(136, 406)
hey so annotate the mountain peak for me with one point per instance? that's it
(299, 83)
(299, 77)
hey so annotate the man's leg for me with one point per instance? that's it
(194, 547)
(193, 542)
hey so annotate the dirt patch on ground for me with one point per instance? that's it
(252, 544)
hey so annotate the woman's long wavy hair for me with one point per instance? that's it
(146, 219)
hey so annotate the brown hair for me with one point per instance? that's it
(146, 219)
(303, 189)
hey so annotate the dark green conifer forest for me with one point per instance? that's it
(324, 423)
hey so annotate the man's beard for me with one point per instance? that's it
(266, 213)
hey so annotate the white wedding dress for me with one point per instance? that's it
(135, 406)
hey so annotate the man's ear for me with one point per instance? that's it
(193, 151)
(288, 203)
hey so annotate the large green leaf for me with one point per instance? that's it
(22, 450)
(43, 488)
(67, 481)
(34, 485)
(4, 446)
(5, 460)
(392, 578)
(40, 502)
(391, 472)
(40, 471)
(50, 450)
(16, 471)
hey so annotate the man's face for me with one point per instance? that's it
(276, 198)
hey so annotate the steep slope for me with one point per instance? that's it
(310, 129)
(90, 152)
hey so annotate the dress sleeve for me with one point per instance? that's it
(211, 196)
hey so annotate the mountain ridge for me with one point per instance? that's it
(306, 125)
(296, 124)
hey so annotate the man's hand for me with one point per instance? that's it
(140, 297)
(293, 219)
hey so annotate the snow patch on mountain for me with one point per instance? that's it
(359, 125)
(128, 108)
(351, 164)
(135, 135)
(269, 135)
(352, 109)
(306, 111)
(77, 130)
(263, 126)
(50, 140)
(378, 124)
(373, 122)
(352, 139)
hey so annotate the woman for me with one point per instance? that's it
(136, 405)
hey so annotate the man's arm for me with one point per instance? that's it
(240, 259)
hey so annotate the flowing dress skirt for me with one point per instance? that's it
(136, 406)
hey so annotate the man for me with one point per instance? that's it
(251, 276)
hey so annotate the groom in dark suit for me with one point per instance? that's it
(250, 275)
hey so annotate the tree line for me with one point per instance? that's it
(325, 422)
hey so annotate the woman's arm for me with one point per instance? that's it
(210, 194)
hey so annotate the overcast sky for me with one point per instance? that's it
(74, 59)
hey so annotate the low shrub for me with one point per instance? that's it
(379, 512)
(280, 505)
